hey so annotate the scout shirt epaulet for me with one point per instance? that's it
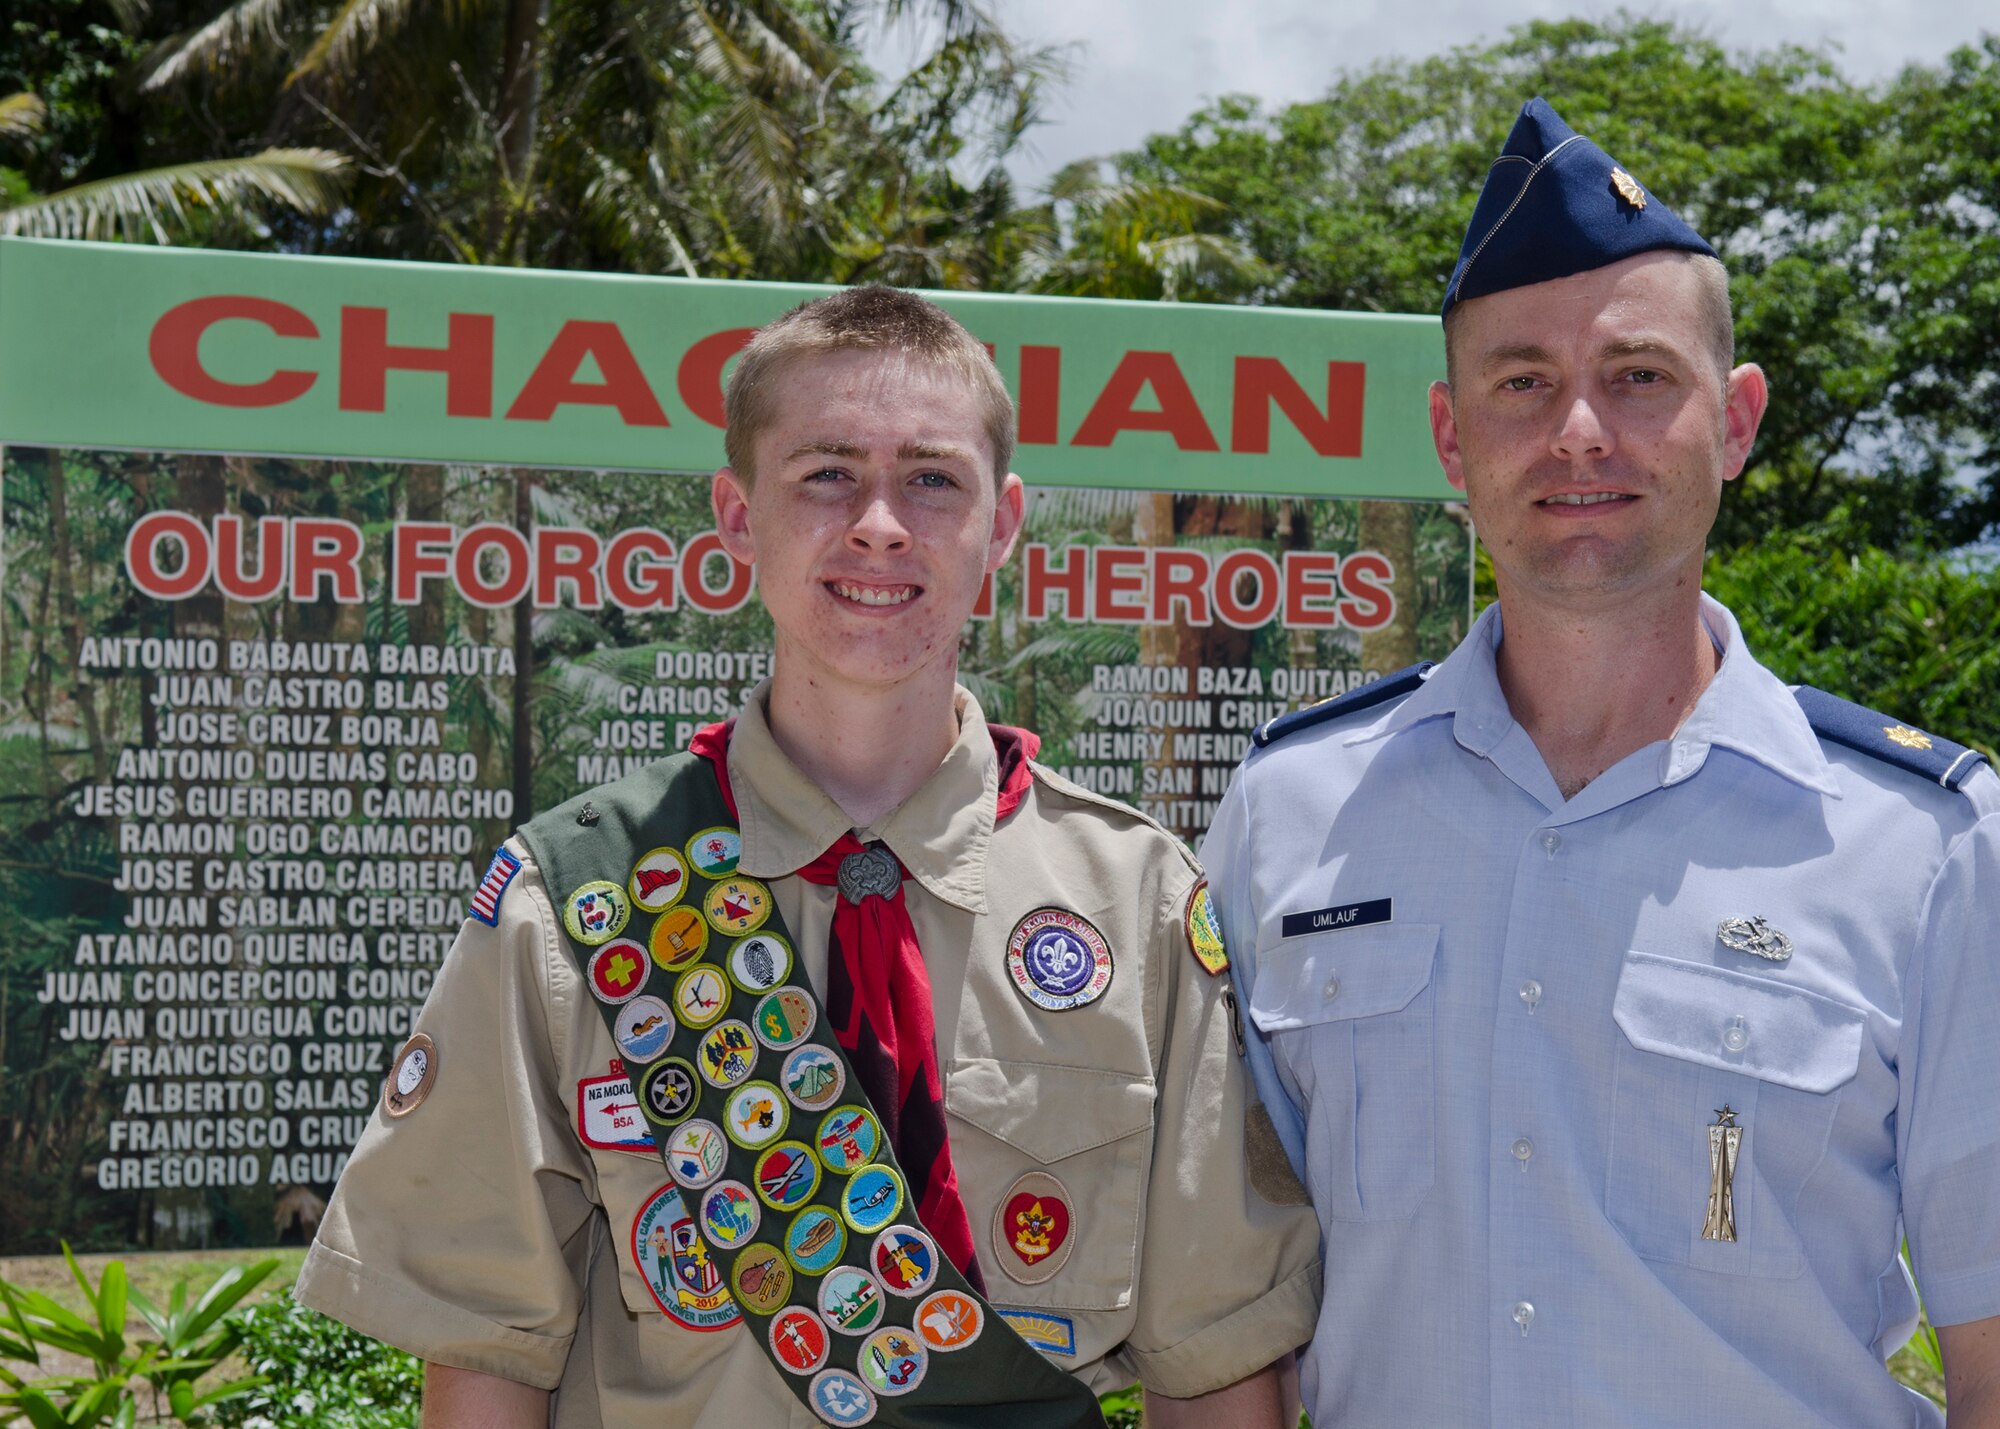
(1928, 756)
(1389, 687)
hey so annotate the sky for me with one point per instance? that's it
(1141, 66)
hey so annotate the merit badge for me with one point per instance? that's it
(786, 1176)
(784, 1018)
(607, 1115)
(950, 1320)
(618, 971)
(727, 1055)
(714, 852)
(678, 938)
(848, 1138)
(1032, 1225)
(681, 1275)
(1057, 960)
(905, 1260)
(815, 1240)
(696, 1154)
(1755, 937)
(729, 1214)
(1204, 935)
(755, 1114)
(850, 1300)
(701, 995)
(658, 880)
(414, 1075)
(760, 962)
(736, 906)
(596, 912)
(892, 1360)
(873, 1198)
(813, 1078)
(485, 905)
(1725, 1141)
(837, 1397)
(762, 1279)
(669, 1091)
(799, 1340)
(644, 1028)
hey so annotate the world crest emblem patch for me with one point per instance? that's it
(1057, 960)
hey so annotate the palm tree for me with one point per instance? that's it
(150, 203)
(157, 201)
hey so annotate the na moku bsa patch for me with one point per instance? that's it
(607, 1114)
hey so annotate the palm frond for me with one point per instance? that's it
(349, 36)
(22, 115)
(245, 28)
(135, 206)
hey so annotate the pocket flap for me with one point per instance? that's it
(1789, 1036)
(1355, 972)
(1047, 1112)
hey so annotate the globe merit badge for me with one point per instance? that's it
(1057, 960)
(679, 1272)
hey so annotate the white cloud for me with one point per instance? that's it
(1144, 65)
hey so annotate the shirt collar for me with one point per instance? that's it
(1745, 708)
(941, 833)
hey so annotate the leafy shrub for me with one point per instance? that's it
(318, 1374)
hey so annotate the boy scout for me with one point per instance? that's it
(1623, 1008)
(1057, 1117)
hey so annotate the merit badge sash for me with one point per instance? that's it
(765, 1133)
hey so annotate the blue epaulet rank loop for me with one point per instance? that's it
(1858, 727)
(1377, 692)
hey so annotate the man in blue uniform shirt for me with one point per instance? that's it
(1622, 1009)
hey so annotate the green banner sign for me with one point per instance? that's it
(115, 346)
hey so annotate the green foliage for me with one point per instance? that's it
(315, 1373)
(1917, 637)
(190, 1340)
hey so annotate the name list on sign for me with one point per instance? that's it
(1167, 737)
(295, 848)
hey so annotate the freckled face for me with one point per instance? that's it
(873, 519)
(1592, 429)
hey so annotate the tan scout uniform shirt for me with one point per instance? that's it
(480, 1231)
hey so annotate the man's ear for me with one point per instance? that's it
(1444, 435)
(1743, 413)
(729, 495)
(1009, 511)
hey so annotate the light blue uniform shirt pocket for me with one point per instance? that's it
(1349, 1017)
(1697, 1039)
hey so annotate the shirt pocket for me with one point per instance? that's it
(1698, 1039)
(1350, 1013)
(626, 1182)
(1091, 1130)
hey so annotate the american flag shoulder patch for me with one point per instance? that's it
(486, 897)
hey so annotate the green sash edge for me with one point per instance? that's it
(997, 1381)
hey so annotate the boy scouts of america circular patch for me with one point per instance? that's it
(679, 1272)
(1204, 934)
(1057, 960)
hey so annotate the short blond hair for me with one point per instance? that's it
(871, 319)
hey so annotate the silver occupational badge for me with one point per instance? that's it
(872, 871)
(1725, 1143)
(1755, 937)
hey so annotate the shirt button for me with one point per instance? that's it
(1551, 840)
(1736, 1036)
(1524, 1316)
(1522, 1149)
(1531, 993)
(1332, 988)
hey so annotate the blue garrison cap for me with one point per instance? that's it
(1555, 204)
